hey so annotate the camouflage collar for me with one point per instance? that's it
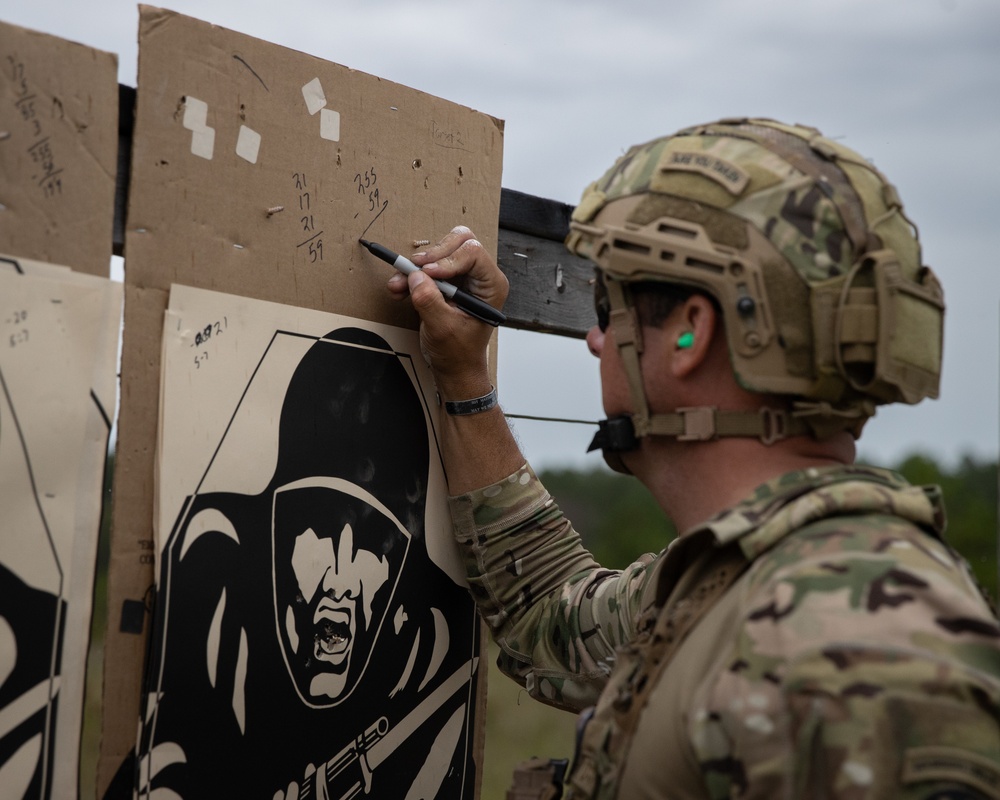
(795, 499)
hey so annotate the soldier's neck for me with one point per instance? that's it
(693, 482)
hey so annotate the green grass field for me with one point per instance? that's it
(518, 728)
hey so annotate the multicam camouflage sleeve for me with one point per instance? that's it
(557, 615)
(867, 664)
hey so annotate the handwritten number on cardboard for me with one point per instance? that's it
(368, 187)
(19, 320)
(44, 168)
(308, 220)
(212, 329)
(365, 180)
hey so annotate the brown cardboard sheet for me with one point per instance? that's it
(255, 169)
(58, 149)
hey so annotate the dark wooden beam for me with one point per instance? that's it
(535, 216)
(551, 290)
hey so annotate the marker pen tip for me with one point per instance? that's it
(364, 242)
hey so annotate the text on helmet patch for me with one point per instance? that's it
(725, 173)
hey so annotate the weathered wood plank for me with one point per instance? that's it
(551, 290)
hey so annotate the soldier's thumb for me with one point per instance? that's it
(426, 297)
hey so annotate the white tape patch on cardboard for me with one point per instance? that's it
(313, 94)
(196, 121)
(329, 120)
(248, 144)
(329, 124)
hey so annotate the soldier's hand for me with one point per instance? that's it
(454, 342)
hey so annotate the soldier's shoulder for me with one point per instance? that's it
(867, 583)
(865, 627)
(859, 546)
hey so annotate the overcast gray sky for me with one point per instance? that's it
(914, 85)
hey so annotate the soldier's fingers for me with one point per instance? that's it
(477, 269)
(429, 302)
(468, 257)
(448, 244)
(398, 286)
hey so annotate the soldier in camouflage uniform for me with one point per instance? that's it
(759, 292)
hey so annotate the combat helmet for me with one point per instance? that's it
(807, 251)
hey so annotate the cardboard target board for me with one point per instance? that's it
(58, 150)
(255, 169)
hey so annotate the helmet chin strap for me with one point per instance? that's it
(622, 433)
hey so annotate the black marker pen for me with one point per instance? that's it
(469, 304)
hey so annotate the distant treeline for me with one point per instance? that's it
(619, 520)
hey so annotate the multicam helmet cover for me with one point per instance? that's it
(805, 246)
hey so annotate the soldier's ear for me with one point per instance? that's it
(691, 329)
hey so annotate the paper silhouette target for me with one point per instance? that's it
(313, 634)
(58, 336)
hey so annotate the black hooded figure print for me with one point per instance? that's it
(305, 642)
